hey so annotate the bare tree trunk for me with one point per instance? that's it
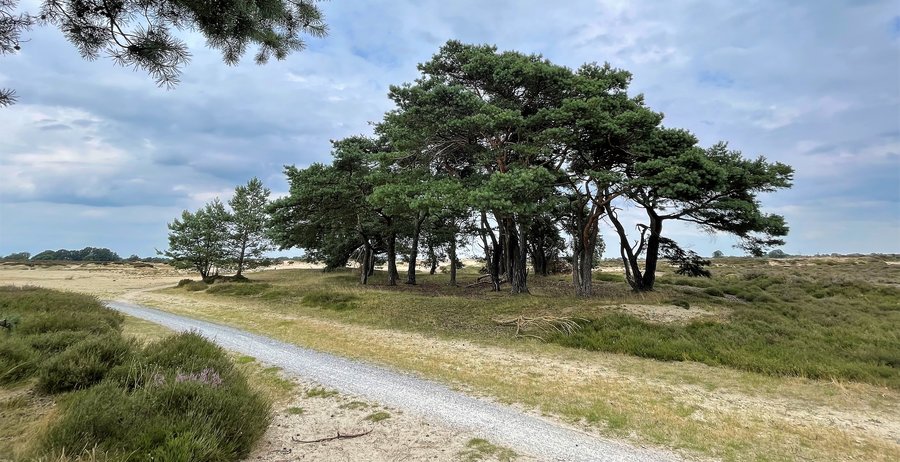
(240, 263)
(453, 261)
(432, 257)
(519, 251)
(393, 276)
(364, 265)
(493, 254)
(652, 256)
(633, 273)
(583, 261)
(414, 252)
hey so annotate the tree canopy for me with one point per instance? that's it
(523, 157)
(142, 34)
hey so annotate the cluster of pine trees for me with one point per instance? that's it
(213, 238)
(526, 158)
(510, 151)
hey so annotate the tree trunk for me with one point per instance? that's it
(652, 255)
(240, 264)
(367, 258)
(633, 273)
(453, 262)
(493, 254)
(432, 259)
(393, 276)
(414, 252)
(583, 258)
(519, 251)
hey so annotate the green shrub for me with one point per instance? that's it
(712, 291)
(195, 286)
(184, 282)
(55, 342)
(83, 364)
(18, 360)
(330, 300)
(239, 289)
(211, 415)
(186, 352)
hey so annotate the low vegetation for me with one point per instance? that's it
(827, 322)
(178, 398)
(482, 449)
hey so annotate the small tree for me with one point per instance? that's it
(249, 220)
(718, 254)
(199, 239)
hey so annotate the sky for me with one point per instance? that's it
(98, 155)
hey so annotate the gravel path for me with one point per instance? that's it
(498, 424)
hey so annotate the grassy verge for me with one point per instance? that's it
(714, 411)
(73, 387)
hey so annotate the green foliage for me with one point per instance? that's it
(17, 256)
(18, 360)
(139, 34)
(181, 400)
(199, 240)
(85, 254)
(177, 399)
(248, 224)
(513, 151)
(83, 364)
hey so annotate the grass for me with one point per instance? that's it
(481, 449)
(319, 392)
(817, 321)
(354, 405)
(721, 412)
(176, 398)
(377, 416)
(294, 410)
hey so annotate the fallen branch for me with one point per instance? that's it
(336, 437)
(562, 325)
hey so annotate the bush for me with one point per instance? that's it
(330, 300)
(83, 364)
(184, 282)
(55, 342)
(17, 359)
(186, 352)
(190, 405)
(195, 286)
(712, 291)
(239, 289)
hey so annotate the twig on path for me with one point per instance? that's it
(336, 437)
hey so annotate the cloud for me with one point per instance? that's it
(813, 85)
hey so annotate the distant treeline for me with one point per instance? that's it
(85, 254)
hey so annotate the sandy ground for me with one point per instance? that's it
(398, 437)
